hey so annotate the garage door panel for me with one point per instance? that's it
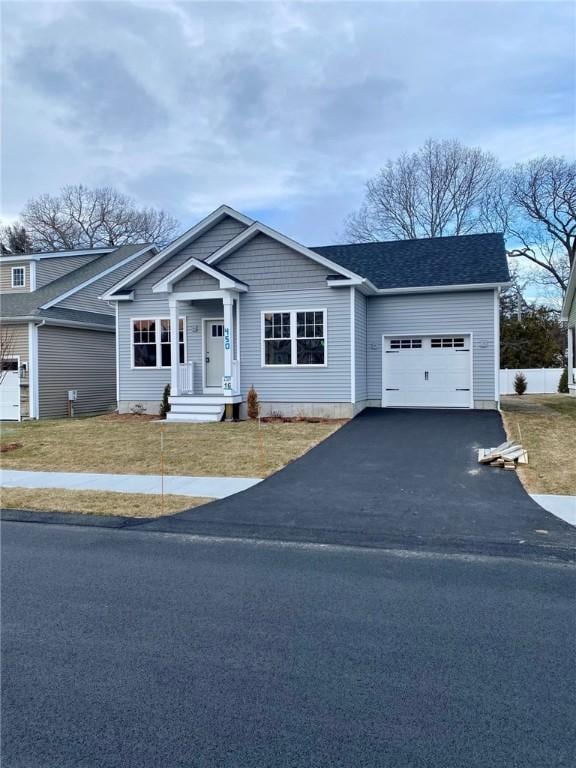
(10, 396)
(427, 372)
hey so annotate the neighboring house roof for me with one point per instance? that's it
(36, 304)
(430, 262)
(570, 296)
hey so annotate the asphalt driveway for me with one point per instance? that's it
(392, 477)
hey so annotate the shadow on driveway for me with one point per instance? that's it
(405, 478)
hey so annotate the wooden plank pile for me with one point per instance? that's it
(507, 455)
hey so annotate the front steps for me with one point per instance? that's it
(198, 408)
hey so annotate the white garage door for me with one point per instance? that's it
(10, 396)
(427, 371)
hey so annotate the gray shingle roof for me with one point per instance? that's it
(429, 262)
(28, 304)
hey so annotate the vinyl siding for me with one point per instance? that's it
(572, 313)
(427, 314)
(197, 281)
(19, 334)
(330, 384)
(87, 298)
(50, 269)
(6, 277)
(360, 305)
(71, 358)
(266, 265)
(147, 384)
(201, 248)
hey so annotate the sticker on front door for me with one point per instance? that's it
(214, 353)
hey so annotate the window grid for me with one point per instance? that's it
(406, 344)
(447, 342)
(18, 277)
(295, 339)
(152, 349)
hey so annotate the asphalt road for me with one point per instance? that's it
(132, 648)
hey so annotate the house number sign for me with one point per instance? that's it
(226, 338)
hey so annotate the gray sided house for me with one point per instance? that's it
(320, 331)
(58, 336)
(569, 317)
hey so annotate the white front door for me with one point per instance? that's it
(213, 353)
(427, 372)
(10, 396)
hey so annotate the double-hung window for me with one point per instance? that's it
(294, 338)
(18, 277)
(151, 342)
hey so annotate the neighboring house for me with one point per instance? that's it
(569, 316)
(61, 336)
(317, 331)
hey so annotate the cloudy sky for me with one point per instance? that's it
(281, 110)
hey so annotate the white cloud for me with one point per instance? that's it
(277, 108)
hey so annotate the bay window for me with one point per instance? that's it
(294, 338)
(151, 342)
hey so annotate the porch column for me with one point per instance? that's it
(174, 347)
(228, 302)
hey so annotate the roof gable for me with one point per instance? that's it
(185, 240)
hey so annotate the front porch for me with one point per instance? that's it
(205, 374)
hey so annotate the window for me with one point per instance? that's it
(405, 343)
(447, 342)
(294, 338)
(151, 342)
(18, 277)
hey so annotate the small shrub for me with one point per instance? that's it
(253, 406)
(165, 403)
(520, 384)
(563, 383)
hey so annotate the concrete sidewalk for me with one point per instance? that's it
(207, 487)
(563, 507)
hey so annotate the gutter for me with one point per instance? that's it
(65, 323)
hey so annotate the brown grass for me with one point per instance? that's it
(95, 502)
(546, 427)
(131, 445)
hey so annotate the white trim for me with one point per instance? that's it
(206, 389)
(426, 334)
(352, 344)
(33, 382)
(94, 278)
(198, 295)
(56, 254)
(497, 347)
(19, 268)
(443, 288)
(258, 228)
(32, 277)
(117, 344)
(188, 237)
(167, 283)
(293, 338)
(157, 319)
(237, 339)
(569, 295)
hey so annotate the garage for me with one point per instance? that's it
(10, 394)
(427, 371)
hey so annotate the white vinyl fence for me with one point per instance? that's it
(539, 380)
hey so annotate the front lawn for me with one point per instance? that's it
(546, 427)
(96, 502)
(131, 445)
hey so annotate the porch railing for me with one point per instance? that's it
(186, 378)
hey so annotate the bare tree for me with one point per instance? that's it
(439, 190)
(79, 217)
(7, 350)
(14, 239)
(540, 217)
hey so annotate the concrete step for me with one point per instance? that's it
(184, 408)
(194, 417)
